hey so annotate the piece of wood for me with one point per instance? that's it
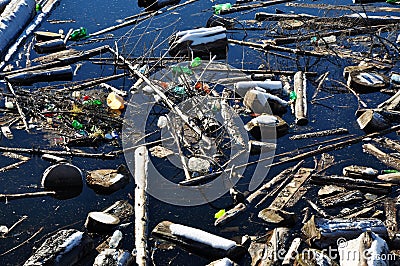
(300, 88)
(41, 36)
(361, 172)
(341, 199)
(62, 61)
(388, 143)
(322, 133)
(50, 46)
(391, 217)
(367, 186)
(285, 194)
(230, 214)
(391, 104)
(198, 241)
(385, 158)
(293, 250)
(392, 178)
(45, 75)
(7, 197)
(21, 113)
(100, 222)
(141, 162)
(238, 8)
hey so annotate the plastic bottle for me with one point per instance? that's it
(115, 239)
(292, 95)
(181, 70)
(38, 7)
(179, 90)
(196, 62)
(394, 2)
(395, 78)
(219, 7)
(78, 34)
(389, 171)
(76, 124)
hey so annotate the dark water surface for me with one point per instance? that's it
(53, 214)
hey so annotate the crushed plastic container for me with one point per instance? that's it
(76, 124)
(114, 101)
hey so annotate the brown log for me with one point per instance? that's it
(43, 75)
(388, 143)
(342, 199)
(361, 172)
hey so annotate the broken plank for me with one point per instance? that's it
(382, 156)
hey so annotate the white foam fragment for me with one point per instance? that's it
(201, 236)
(369, 171)
(69, 243)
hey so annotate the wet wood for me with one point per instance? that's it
(367, 186)
(35, 151)
(7, 197)
(300, 88)
(392, 178)
(341, 199)
(62, 61)
(323, 133)
(391, 217)
(391, 104)
(385, 158)
(21, 113)
(100, 222)
(371, 121)
(279, 241)
(230, 214)
(318, 209)
(388, 143)
(141, 162)
(272, 47)
(167, 231)
(238, 8)
(50, 46)
(45, 75)
(361, 172)
(47, 36)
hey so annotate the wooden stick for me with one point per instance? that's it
(323, 133)
(23, 243)
(7, 197)
(238, 8)
(323, 78)
(21, 113)
(269, 46)
(110, 155)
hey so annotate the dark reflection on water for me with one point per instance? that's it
(53, 214)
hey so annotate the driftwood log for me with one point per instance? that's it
(300, 88)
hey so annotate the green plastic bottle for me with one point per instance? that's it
(75, 124)
(393, 2)
(292, 96)
(78, 34)
(196, 62)
(38, 7)
(389, 171)
(218, 8)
